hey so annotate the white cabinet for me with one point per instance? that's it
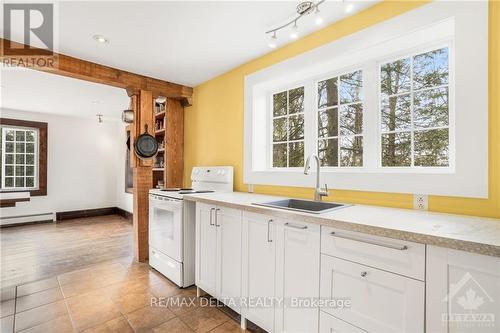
(218, 252)
(259, 269)
(206, 248)
(379, 301)
(397, 256)
(228, 225)
(281, 268)
(298, 276)
(463, 291)
(330, 324)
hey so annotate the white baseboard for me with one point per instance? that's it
(4, 220)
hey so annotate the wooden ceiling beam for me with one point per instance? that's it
(85, 70)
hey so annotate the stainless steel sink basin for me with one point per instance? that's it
(314, 207)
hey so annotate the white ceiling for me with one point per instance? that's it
(29, 90)
(187, 42)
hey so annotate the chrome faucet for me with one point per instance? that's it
(318, 191)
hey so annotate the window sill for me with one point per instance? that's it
(33, 193)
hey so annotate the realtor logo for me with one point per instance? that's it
(29, 36)
(469, 304)
(31, 24)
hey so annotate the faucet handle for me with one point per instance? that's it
(324, 192)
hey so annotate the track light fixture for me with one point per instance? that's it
(303, 8)
(273, 42)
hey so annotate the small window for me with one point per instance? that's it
(415, 111)
(340, 120)
(288, 129)
(19, 158)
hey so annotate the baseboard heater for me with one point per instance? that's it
(23, 219)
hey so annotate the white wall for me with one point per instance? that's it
(124, 200)
(85, 165)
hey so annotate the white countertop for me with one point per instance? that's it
(467, 233)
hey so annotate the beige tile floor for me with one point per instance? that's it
(115, 296)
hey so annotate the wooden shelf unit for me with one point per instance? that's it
(171, 133)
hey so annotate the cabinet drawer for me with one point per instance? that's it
(402, 257)
(167, 266)
(379, 301)
(330, 324)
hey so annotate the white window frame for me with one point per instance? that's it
(315, 111)
(270, 130)
(451, 108)
(463, 26)
(36, 144)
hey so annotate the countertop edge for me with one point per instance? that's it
(451, 243)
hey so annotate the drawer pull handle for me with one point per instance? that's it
(211, 216)
(372, 242)
(296, 226)
(269, 240)
(217, 217)
(363, 274)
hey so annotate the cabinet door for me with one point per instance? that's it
(379, 301)
(298, 276)
(330, 324)
(463, 291)
(228, 223)
(206, 248)
(259, 263)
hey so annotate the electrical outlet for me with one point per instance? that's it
(420, 202)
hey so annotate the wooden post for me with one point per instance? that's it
(174, 138)
(143, 175)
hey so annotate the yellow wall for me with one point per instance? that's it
(214, 124)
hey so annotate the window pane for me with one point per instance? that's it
(351, 119)
(327, 152)
(430, 69)
(328, 123)
(351, 151)
(296, 127)
(19, 181)
(396, 149)
(30, 171)
(395, 77)
(9, 158)
(9, 182)
(30, 148)
(431, 148)
(396, 113)
(327, 93)
(350, 87)
(9, 147)
(9, 135)
(9, 170)
(20, 136)
(279, 129)
(30, 136)
(20, 159)
(20, 170)
(279, 155)
(296, 100)
(19, 147)
(431, 108)
(279, 104)
(30, 182)
(296, 152)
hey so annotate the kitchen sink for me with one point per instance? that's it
(314, 207)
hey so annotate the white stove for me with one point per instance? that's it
(172, 223)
